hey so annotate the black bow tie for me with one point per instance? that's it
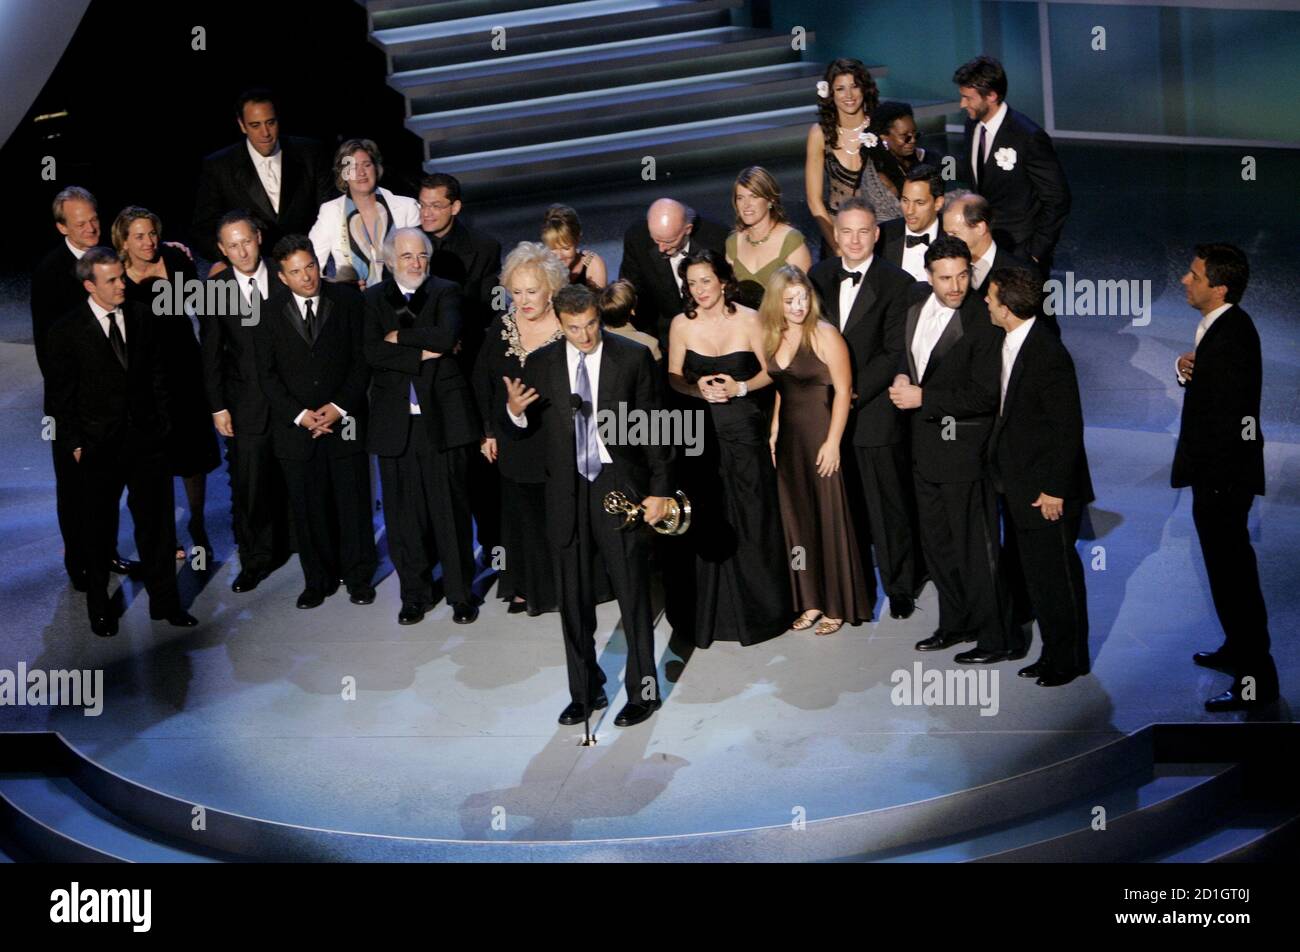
(854, 276)
(914, 240)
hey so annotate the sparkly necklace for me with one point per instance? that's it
(762, 240)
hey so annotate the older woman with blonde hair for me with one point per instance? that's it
(764, 239)
(191, 449)
(808, 361)
(562, 233)
(532, 273)
(350, 229)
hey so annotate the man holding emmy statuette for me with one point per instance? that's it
(564, 386)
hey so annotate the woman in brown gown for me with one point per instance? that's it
(809, 363)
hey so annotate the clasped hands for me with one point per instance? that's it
(320, 421)
(905, 394)
(717, 388)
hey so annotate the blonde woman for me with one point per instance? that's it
(532, 274)
(764, 239)
(562, 233)
(350, 229)
(808, 362)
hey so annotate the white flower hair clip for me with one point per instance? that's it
(868, 139)
(823, 89)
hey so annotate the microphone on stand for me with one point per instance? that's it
(577, 405)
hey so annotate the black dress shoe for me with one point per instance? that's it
(1054, 679)
(1218, 660)
(412, 613)
(465, 613)
(178, 618)
(517, 607)
(1231, 700)
(121, 566)
(981, 656)
(310, 598)
(247, 580)
(576, 714)
(104, 626)
(901, 606)
(1033, 670)
(362, 595)
(634, 712)
(944, 639)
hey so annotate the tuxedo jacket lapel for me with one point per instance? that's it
(294, 317)
(251, 183)
(1018, 368)
(326, 309)
(951, 334)
(913, 318)
(862, 303)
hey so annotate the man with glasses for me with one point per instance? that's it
(423, 424)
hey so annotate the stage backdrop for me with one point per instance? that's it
(1166, 70)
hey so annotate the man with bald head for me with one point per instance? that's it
(423, 424)
(652, 251)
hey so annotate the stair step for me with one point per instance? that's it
(1125, 799)
(641, 59)
(1235, 833)
(385, 14)
(61, 805)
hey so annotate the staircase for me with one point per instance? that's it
(1171, 793)
(587, 91)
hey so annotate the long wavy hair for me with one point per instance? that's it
(726, 276)
(828, 116)
(772, 311)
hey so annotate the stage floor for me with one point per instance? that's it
(454, 726)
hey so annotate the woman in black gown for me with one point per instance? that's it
(192, 449)
(716, 358)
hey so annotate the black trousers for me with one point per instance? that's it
(427, 517)
(258, 500)
(1041, 561)
(485, 502)
(959, 533)
(103, 473)
(626, 556)
(1221, 517)
(329, 502)
(885, 474)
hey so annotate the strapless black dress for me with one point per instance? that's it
(742, 575)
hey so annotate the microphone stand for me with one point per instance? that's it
(588, 739)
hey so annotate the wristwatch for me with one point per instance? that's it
(742, 388)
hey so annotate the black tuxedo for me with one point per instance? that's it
(658, 297)
(258, 499)
(893, 240)
(118, 417)
(328, 474)
(1037, 447)
(1222, 458)
(1031, 199)
(472, 260)
(884, 511)
(578, 527)
(1002, 258)
(55, 292)
(229, 180)
(424, 457)
(957, 510)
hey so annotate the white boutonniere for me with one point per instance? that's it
(868, 139)
(1005, 158)
(823, 89)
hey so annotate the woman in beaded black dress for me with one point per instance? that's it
(837, 163)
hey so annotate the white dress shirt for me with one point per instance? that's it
(302, 311)
(268, 170)
(1010, 351)
(1201, 328)
(849, 290)
(982, 265)
(406, 293)
(76, 252)
(991, 126)
(930, 325)
(571, 355)
(101, 315)
(261, 277)
(914, 257)
(674, 262)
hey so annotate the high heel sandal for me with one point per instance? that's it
(806, 620)
(829, 626)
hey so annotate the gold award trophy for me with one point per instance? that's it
(676, 520)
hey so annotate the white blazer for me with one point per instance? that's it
(327, 234)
